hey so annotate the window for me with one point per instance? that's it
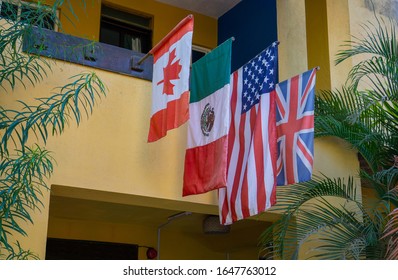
(125, 30)
(198, 52)
(28, 12)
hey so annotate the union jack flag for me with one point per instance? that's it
(295, 128)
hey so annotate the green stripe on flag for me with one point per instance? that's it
(211, 72)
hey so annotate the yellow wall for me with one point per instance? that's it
(362, 12)
(327, 29)
(110, 151)
(339, 33)
(165, 17)
(292, 32)
(81, 20)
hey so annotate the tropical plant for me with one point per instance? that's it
(390, 232)
(326, 214)
(25, 166)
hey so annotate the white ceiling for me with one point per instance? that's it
(211, 8)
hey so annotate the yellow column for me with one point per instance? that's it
(338, 21)
(318, 41)
(292, 36)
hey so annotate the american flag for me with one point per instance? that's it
(295, 128)
(252, 140)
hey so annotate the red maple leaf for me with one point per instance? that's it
(170, 72)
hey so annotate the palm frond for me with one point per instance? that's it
(22, 180)
(379, 71)
(342, 235)
(295, 196)
(15, 66)
(370, 128)
(385, 183)
(294, 201)
(20, 254)
(344, 104)
(20, 68)
(391, 234)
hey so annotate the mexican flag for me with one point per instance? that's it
(206, 154)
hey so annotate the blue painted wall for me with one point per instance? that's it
(253, 23)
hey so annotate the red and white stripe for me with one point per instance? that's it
(252, 156)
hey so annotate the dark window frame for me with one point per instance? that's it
(198, 52)
(125, 24)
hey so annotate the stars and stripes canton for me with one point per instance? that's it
(251, 140)
(295, 128)
(258, 77)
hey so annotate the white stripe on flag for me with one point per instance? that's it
(220, 126)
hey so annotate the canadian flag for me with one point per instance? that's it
(170, 81)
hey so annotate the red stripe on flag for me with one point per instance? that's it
(307, 88)
(224, 206)
(304, 151)
(259, 154)
(291, 132)
(307, 122)
(272, 137)
(233, 105)
(280, 106)
(175, 114)
(245, 203)
(238, 171)
(280, 164)
(210, 162)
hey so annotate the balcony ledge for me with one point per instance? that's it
(81, 51)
